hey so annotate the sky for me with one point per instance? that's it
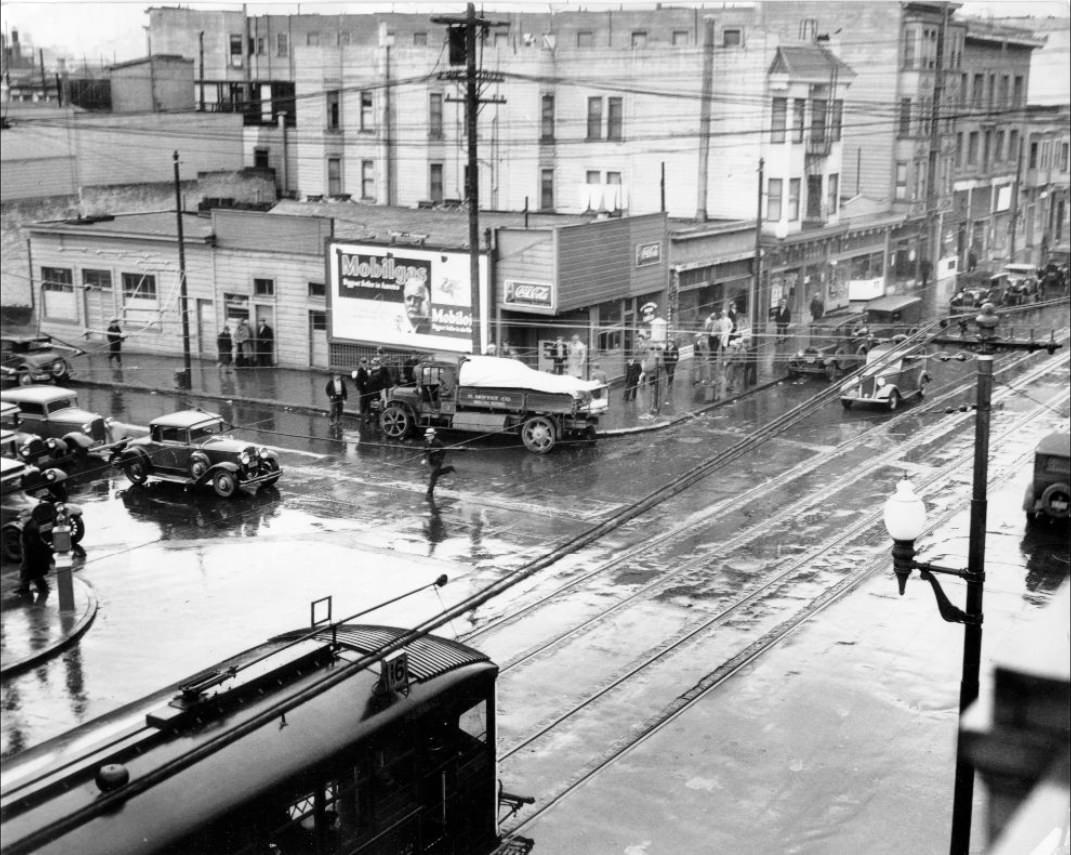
(112, 30)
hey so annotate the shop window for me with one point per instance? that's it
(317, 290)
(97, 280)
(57, 294)
(139, 286)
(264, 287)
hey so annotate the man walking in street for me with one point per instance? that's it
(115, 343)
(336, 395)
(435, 457)
(36, 537)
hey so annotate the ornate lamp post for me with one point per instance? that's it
(905, 520)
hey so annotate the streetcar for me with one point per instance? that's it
(341, 738)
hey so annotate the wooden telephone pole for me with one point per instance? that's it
(462, 47)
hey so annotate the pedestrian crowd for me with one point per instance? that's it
(246, 347)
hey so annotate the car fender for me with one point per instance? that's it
(77, 439)
(1028, 499)
(124, 454)
(226, 465)
(882, 393)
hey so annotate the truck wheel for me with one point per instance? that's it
(225, 484)
(136, 471)
(396, 421)
(12, 543)
(538, 434)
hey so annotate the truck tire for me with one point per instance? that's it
(539, 434)
(396, 421)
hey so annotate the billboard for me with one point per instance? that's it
(403, 296)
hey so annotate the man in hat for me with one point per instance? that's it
(36, 539)
(435, 457)
(361, 378)
(336, 395)
(115, 343)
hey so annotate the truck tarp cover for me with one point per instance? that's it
(494, 371)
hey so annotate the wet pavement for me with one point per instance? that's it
(34, 628)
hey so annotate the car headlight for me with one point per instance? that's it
(109, 422)
(880, 382)
(244, 458)
(264, 454)
(87, 428)
(799, 354)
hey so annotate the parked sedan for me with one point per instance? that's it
(53, 412)
(892, 375)
(837, 345)
(17, 444)
(31, 359)
(191, 447)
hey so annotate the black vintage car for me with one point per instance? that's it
(29, 358)
(1048, 495)
(838, 344)
(191, 447)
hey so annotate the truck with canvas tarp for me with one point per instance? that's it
(493, 395)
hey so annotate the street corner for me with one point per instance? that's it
(34, 627)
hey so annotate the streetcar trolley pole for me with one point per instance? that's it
(905, 520)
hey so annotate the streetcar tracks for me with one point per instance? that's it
(747, 647)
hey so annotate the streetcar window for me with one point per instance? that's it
(474, 721)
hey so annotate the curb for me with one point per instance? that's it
(10, 668)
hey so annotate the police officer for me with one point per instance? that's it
(435, 457)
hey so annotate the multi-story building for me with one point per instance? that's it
(990, 143)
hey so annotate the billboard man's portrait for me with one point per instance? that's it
(418, 306)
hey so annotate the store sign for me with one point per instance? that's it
(648, 253)
(402, 296)
(526, 295)
(866, 289)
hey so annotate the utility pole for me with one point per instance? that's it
(184, 379)
(933, 219)
(201, 73)
(1015, 200)
(706, 97)
(751, 375)
(462, 49)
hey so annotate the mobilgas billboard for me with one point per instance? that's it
(403, 296)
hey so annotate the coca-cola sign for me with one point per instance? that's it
(522, 294)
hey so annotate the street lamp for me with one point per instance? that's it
(905, 519)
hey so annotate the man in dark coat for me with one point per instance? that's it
(670, 357)
(36, 540)
(782, 317)
(115, 343)
(336, 395)
(818, 308)
(435, 457)
(265, 343)
(225, 346)
(632, 378)
(559, 353)
(361, 379)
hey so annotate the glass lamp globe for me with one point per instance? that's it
(904, 513)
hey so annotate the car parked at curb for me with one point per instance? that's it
(1021, 284)
(191, 447)
(29, 358)
(36, 487)
(1048, 496)
(837, 345)
(52, 412)
(894, 373)
(17, 444)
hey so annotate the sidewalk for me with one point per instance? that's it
(33, 630)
